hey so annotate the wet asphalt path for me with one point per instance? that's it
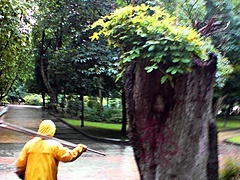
(119, 163)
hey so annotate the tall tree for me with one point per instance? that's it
(68, 61)
(15, 44)
(169, 90)
(227, 12)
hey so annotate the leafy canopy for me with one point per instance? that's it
(150, 33)
(15, 44)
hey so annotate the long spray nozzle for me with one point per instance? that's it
(33, 133)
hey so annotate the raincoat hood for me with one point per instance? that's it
(47, 128)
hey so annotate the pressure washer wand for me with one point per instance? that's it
(33, 133)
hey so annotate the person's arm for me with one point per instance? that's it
(21, 163)
(66, 155)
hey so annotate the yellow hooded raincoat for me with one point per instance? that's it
(39, 158)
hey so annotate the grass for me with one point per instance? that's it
(99, 129)
(232, 123)
(95, 124)
(234, 140)
(109, 130)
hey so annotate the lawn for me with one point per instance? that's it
(232, 123)
(235, 140)
(98, 129)
(94, 124)
(108, 130)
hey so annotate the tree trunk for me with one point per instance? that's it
(124, 117)
(82, 108)
(43, 99)
(169, 126)
(51, 93)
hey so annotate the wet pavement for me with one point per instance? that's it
(119, 164)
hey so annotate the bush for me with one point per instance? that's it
(230, 170)
(74, 107)
(33, 99)
(93, 110)
(112, 115)
(91, 114)
(4, 101)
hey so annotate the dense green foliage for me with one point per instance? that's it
(227, 40)
(145, 32)
(226, 13)
(15, 44)
(111, 111)
(71, 63)
(224, 16)
(33, 99)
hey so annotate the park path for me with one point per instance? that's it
(119, 164)
(226, 150)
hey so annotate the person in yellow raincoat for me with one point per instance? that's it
(40, 157)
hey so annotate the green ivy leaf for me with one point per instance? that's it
(119, 75)
(169, 69)
(166, 48)
(147, 55)
(151, 68)
(185, 61)
(151, 48)
(176, 60)
(174, 71)
(126, 59)
(163, 79)
(190, 48)
(143, 35)
(152, 42)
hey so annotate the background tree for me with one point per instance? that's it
(227, 41)
(67, 60)
(15, 44)
(169, 92)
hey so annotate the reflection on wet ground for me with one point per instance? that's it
(119, 163)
